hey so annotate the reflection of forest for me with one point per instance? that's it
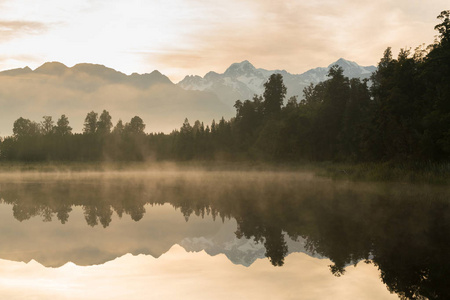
(403, 230)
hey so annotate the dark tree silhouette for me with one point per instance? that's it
(104, 123)
(25, 128)
(119, 128)
(62, 126)
(47, 126)
(90, 123)
(274, 94)
(136, 126)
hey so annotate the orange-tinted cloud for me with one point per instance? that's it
(180, 37)
(14, 29)
(298, 35)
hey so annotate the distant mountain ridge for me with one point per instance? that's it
(54, 89)
(242, 80)
(99, 71)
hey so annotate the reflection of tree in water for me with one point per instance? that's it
(98, 202)
(276, 248)
(406, 234)
(62, 213)
(93, 214)
(412, 255)
(45, 205)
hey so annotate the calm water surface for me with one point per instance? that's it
(220, 235)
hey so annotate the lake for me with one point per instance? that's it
(197, 234)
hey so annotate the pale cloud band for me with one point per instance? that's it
(16, 29)
(180, 37)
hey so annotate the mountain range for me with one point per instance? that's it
(54, 89)
(242, 80)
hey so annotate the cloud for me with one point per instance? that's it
(180, 37)
(19, 57)
(297, 35)
(14, 29)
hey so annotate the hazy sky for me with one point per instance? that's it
(181, 37)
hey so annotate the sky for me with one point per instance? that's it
(192, 37)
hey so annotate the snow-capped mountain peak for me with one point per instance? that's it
(343, 63)
(242, 80)
(244, 68)
(211, 75)
(352, 69)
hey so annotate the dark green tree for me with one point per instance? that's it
(274, 94)
(90, 123)
(398, 108)
(25, 128)
(104, 123)
(328, 121)
(247, 123)
(184, 145)
(436, 73)
(355, 121)
(119, 128)
(62, 126)
(47, 126)
(136, 126)
(444, 27)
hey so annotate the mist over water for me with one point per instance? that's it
(93, 217)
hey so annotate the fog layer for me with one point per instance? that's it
(54, 89)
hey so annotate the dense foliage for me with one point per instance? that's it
(401, 114)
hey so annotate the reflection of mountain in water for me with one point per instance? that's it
(53, 244)
(403, 230)
(239, 251)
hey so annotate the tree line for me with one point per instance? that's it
(32, 141)
(401, 114)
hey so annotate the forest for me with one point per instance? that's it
(401, 114)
